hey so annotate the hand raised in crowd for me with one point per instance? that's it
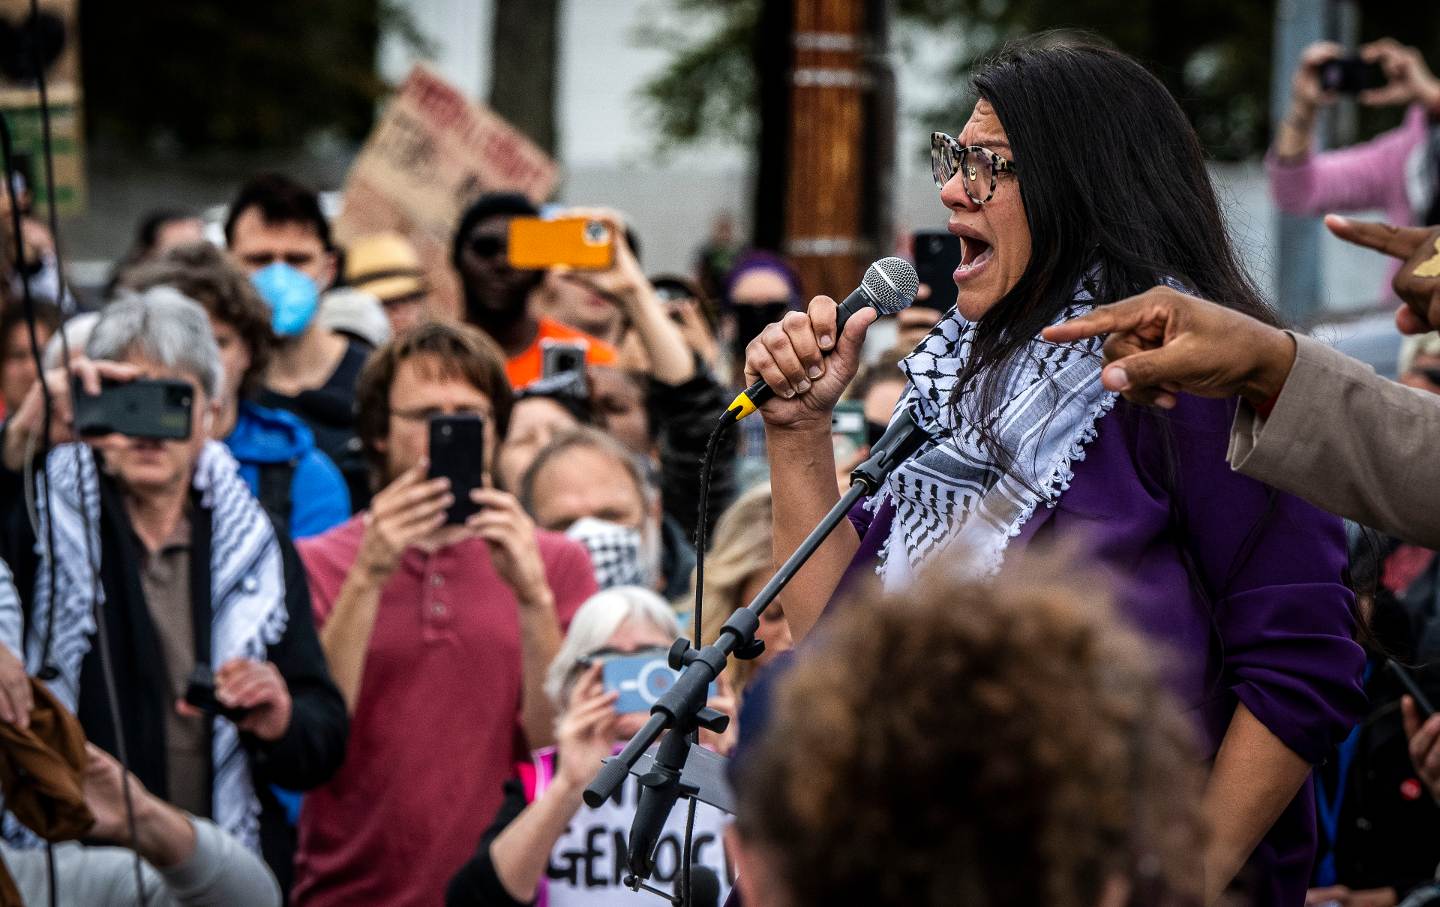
(585, 733)
(23, 428)
(401, 514)
(510, 533)
(1163, 342)
(16, 696)
(1424, 744)
(1306, 92)
(625, 284)
(258, 687)
(1418, 282)
(1407, 79)
(695, 329)
(791, 355)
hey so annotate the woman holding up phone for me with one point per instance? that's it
(1060, 206)
(1398, 170)
(541, 829)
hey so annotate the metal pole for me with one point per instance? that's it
(1298, 23)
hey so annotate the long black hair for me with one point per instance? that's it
(1114, 184)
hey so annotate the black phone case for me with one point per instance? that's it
(200, 692)
(457, 452)
(937, 255)
(158, 409)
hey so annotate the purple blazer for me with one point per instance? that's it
(1260, 615)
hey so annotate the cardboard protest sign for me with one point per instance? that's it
(432, 152)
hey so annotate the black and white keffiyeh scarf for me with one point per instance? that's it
(952, 499)
(247, 598)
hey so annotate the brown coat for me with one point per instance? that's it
(1350, 442)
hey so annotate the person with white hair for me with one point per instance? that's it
(542, 846)
(197, 588)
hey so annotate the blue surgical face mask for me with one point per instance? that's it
(292, 296)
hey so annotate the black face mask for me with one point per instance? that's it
(751, 319)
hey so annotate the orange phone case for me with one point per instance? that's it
(575, 242)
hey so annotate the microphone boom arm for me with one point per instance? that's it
(681, 709)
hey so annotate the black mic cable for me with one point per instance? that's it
(889, 285)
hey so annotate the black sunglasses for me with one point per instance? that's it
(488, 246)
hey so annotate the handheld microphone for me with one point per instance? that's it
(889, 286)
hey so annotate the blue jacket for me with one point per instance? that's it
(318, 497)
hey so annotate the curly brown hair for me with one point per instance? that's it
(997, 744)
(207, 275)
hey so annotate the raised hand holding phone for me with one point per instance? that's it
(23, 427)
(401, 514)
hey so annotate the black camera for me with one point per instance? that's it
(200, 692)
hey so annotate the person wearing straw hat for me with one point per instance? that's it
(386, 266)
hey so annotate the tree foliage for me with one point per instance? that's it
(709, 90)
(216, 74)
(1212, 54)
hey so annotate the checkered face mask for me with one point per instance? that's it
(618, 553)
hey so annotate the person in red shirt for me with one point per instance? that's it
(498, 297)
(437, 635)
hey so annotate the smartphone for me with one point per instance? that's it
(848, 433)
(937, 255)
(1407, 680)
(145, 408)
(457, 452)
(640, 679)
(561, 357)
(575, 242)
(200, 692)
(1350, 75)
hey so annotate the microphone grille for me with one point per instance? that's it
(892, 283)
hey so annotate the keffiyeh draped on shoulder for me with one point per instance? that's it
(952, 499)
(247, 597)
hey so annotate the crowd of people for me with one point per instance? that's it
(275, 656)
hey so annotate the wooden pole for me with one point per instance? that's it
(826, 186)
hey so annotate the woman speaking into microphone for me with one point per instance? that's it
(1075, 182)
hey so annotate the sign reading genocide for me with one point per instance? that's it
(432, 152)
(55, 38)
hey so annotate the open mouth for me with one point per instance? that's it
(974, 254)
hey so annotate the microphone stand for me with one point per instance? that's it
(681, 710)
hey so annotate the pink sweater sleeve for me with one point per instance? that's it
(1368, 175)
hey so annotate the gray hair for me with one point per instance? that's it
(593, 625)
(75, 334)
(163, 325)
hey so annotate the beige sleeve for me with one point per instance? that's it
(1350, 442)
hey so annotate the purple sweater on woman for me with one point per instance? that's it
(1260, 616)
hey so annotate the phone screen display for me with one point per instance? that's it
(640, 679)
